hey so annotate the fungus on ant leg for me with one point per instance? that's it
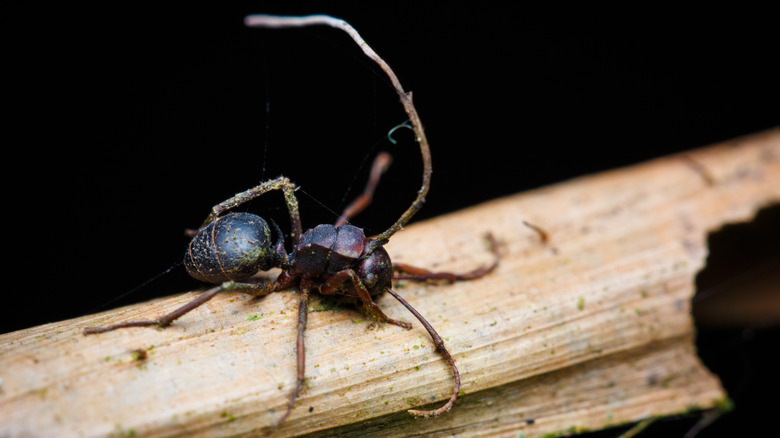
(328, 259)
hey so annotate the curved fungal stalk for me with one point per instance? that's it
(276, 21)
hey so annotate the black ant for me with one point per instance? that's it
(328, 259)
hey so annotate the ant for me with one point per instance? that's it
(337, 259)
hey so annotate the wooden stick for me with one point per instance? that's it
(589, 329)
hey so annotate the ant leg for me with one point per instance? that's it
(332, 285)
(381, 164)
(443, 350)
(409, 272)
(166, 320)
(281, 183)
(373, 311)
(300, 353)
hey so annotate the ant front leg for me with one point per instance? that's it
(409, 272)
(336, 283)
(256, 289)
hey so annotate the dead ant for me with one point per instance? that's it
(329, 259)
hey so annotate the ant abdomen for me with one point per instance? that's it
(231, 248)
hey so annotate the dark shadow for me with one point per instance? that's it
(738, 331)
(737, 315)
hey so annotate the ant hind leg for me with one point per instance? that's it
(257, 289)
(281, 183)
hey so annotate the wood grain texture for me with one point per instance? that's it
(589, 329)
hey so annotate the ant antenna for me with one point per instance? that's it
(275, 21)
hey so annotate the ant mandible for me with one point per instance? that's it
(329, 259)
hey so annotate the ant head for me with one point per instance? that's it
(376, 271)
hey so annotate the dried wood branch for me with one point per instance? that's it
(589, 329)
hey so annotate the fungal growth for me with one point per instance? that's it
(340, 260)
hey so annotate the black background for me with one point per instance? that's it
(125, 123)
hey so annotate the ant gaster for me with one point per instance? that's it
(328, 259)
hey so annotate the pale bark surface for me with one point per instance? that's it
(590, 329)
